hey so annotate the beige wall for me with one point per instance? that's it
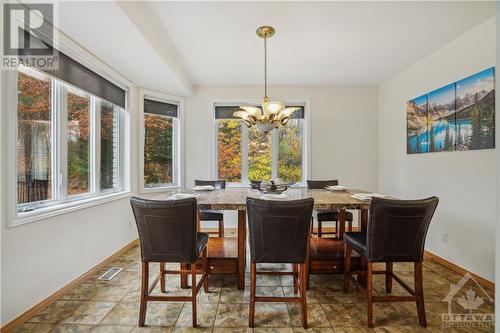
(343, 138)
(464, 181)
(497, 233)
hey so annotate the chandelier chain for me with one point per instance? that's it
(265, 67)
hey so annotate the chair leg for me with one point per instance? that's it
(144, 292)
(347, 266)
(369, 292)
(251, 314)
(303, 293)
(388, 277)
(295, 276)
(320, 232)
(419, 293)
(205, 269)
(193, 293)
(162, 277)
(312, 225)
(221, 228)
(349, 225)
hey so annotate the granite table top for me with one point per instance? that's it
(235, 198)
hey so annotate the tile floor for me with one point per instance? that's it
(112, 307)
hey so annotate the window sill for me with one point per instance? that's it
(64, 208)
(147, 190)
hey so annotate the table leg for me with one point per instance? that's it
(363, 219)
(242, 240)
(198, 222)
(184, 277)
(341, 220)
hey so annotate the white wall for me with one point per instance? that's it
(343, 139)
(497, 233)
(464, 181)
(39, 258)
(343, 129)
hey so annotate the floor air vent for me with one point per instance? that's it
(110, 274)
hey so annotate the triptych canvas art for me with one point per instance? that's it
(458, 116)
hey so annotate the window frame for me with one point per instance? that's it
(62, 203)
(178, 142)
(274, 141)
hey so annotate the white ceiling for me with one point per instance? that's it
(183, 43)
(105, 29)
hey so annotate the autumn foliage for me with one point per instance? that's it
(158, 142)
(229, 156)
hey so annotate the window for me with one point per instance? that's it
(110, 146)
(229, 150)
(290, 160)
(244, 154)
(259, 155)
(78, 138)
(34, 137)
(161, 151)
(62, 131)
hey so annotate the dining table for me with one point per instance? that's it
(227, 255)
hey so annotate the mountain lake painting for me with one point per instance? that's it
(475, 103)
(442, 122)
(458, 116)
(416, 125)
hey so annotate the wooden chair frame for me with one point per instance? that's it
(219, 232)
(146, 289)
(299, 285)
(320, 231)
(416, 295)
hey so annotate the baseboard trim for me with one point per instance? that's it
(460, 270)
(21, 319)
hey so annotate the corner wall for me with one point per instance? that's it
(465, 182)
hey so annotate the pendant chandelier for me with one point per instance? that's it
(271, 114)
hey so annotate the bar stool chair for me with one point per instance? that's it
(330, 215)
(279, 232)
(209, 214)
(255, 184)
(167, 233)
(396, 233)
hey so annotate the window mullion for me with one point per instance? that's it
(274, 153)
(216, 150)
(92, 143)
(244, 154)
(121, 149)
(62, 138)
(175, 143)
(305, 153)
(97, 146)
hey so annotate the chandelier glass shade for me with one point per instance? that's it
(271, 114)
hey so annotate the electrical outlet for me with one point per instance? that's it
(444, 237)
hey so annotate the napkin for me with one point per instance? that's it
(367, 196)
(178, 196)
(336, 188)
(271, 196)
(204, 188)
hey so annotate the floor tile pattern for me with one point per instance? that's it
(112, 307)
